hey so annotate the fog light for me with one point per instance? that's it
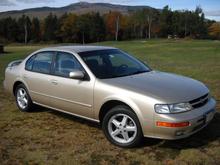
(179, 133)
(166, 124)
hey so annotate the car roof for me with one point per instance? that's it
(77, 49)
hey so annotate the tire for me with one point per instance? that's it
(122, 127)
(23, 99)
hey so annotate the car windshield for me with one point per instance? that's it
(111, 63)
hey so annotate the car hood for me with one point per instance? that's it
(166, 87)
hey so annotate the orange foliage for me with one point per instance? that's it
(111, 19)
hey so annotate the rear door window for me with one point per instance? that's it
(42, 62)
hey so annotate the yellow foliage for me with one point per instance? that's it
(214, 30)
(69, 23)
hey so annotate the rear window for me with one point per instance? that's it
(29, 63)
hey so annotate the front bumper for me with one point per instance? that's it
(4, 84)
(6, 87)
(198, 119)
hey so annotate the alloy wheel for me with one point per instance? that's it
(122, 128)
(22, 98)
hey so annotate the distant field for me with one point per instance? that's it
(48, 137)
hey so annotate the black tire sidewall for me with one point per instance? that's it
(122, 110)
(30, 104)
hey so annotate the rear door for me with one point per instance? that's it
(38, 78)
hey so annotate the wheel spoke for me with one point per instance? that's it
(20, 92)
(25, 100)
(22, 102)
(124, 120)
(115, 122)
(130, 128)
(125, 135)
(116, 132)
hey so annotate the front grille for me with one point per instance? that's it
(199, 102)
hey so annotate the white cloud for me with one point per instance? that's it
(108, 1)
(32, 2)
(35, 1)
(212, 13)
(16, 2)
(6, 3)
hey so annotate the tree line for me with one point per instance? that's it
(93, 27)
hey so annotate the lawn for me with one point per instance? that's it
(48, 137)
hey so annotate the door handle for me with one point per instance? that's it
(54, 82)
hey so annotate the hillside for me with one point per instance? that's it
(77, 8)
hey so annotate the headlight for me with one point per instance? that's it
(172, 108)
(162, 108)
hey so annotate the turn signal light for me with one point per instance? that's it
(166, 124)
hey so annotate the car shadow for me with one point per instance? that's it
(38, 109)
(89, 123)
(201, 138)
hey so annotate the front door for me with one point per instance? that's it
(71, 95)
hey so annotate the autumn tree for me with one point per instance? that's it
(125, 31)
(68, 27)
(143, 23)
(214, 30)
(112, 21)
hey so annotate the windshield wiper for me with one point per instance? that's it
(138, 72)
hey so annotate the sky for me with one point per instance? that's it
(211, 8)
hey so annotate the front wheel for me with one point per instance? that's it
(23, 99)
(121, 127)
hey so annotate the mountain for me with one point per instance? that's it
(77, 8)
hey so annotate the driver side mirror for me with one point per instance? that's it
(77, 74)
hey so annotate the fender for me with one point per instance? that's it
(22, 81)
(125, 100)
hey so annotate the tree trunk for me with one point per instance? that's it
(149, 27)
(134, 31)
(141, 31)
(83, 38)
(25, 33)
(117, 28)
(185, 27)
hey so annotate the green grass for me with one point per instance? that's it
(48, 137)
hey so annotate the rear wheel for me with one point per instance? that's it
(121, 127)
(23, 99)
